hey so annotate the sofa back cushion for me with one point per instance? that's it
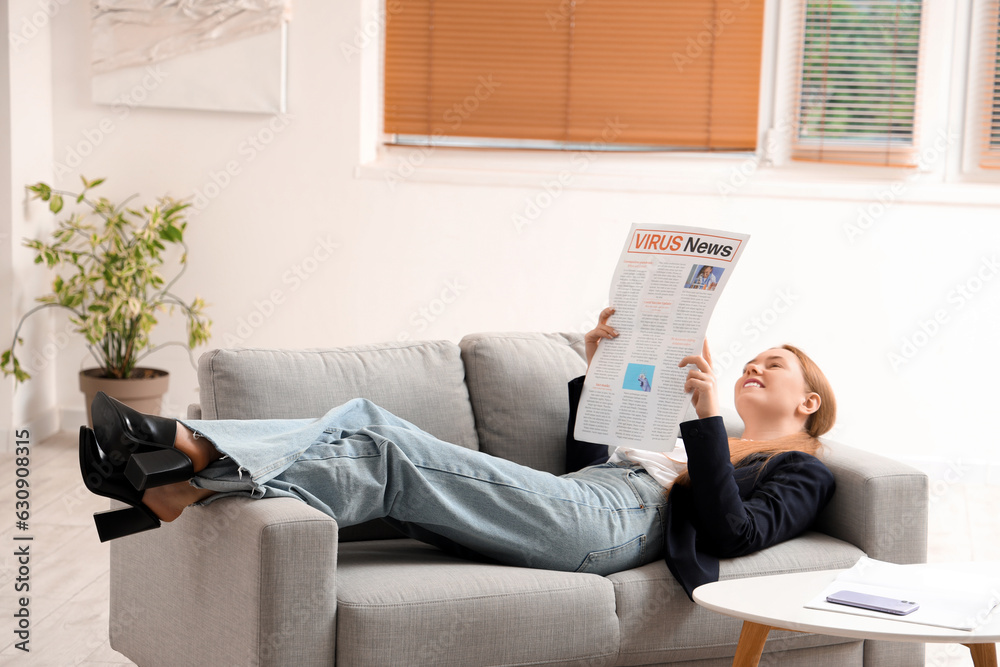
(422, 382)
(517, 385)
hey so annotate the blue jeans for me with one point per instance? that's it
(360, 462)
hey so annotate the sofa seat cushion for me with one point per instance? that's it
(659, 624)
(401, 602)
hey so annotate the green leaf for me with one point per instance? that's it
(41, 190)
(171, 234)
(19, 373)
(56, 203)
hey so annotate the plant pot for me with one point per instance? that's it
(143, 391)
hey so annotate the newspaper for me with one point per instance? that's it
(665, 287)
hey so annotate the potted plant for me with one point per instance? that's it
(108, 278)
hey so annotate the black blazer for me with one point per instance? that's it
(726, 511)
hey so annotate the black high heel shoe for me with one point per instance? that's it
(104, 478)
(141, 444)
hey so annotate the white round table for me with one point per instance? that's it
(777, 602)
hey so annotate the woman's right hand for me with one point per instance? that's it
(700, 383)
(601, 331)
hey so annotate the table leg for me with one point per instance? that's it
(983, 655)
(751, 644)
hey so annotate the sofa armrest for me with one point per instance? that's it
(880, 505)
(234, 582)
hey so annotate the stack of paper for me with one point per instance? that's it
(948, 597)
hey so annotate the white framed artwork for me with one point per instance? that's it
(218, 55)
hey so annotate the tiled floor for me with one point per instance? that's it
(68, 577)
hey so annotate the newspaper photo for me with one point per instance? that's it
(664, 289)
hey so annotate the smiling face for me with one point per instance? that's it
(773, 387)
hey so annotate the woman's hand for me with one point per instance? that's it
(701, 383)
(601, 331)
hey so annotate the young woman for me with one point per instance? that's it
(360, 462)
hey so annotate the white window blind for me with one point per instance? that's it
(857, 95)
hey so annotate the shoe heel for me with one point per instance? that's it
(113, 524)
(157, 468)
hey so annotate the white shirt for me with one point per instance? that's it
(663, 467)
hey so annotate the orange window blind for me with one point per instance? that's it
(857, 100)
(989, 85)
(683, 74)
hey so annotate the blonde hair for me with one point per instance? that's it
(806, 441)
(822, 420)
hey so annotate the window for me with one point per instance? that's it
(989, 87)
(679, 75)
(858, 81)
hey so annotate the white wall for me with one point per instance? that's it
(25, 157)
(400, 245)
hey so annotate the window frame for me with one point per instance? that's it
(846, 152)
(975, 66)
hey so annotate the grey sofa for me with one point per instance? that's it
(274, 582)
